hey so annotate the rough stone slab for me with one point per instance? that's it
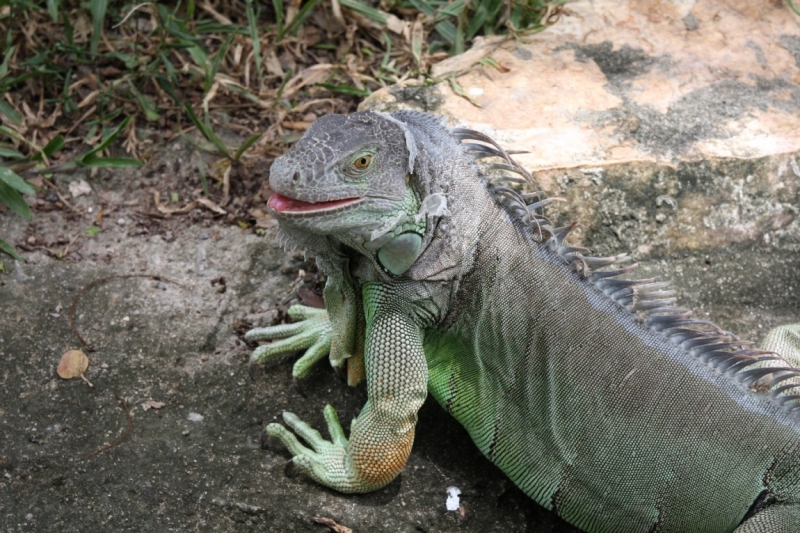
(684, 113)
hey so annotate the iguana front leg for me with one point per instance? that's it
(343, 302)
(382, 435)
(338, 329)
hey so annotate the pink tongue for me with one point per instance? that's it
(281, 203)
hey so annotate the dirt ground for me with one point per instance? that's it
(195, 463)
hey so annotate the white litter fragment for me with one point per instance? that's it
(195, 417)
(79, 188)
(453, 501)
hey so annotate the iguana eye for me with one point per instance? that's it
(362, 162)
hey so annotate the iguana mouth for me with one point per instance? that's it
(287, 206)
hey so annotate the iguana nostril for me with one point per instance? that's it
(296, 177)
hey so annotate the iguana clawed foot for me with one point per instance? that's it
(326, 462)
(313, 333)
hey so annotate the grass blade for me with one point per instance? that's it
(286, 79)
(301, 17)
(4, 64)
(453, 9)
(206, 131)
(368, 11)
(168, 88)
(254, 38)
(278, 5)
(215, 64)
(459, 90)
(108, 140)
(52, 8)
(12, 179)
(7, 248)
(8, 153)
(98, 9)
(422, 6)
(111, 162)
(14, 201)
(201, 169)
(10, 113)
(53, 146)
(147, 104)
(247, 144)
(345, 89)
(447, 30)
(478, 18)
(458, 45)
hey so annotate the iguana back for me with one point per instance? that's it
(592, 413)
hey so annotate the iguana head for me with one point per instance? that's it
(349, 177)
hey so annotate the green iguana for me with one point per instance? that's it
(597, 395)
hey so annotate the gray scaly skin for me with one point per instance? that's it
(597, 395)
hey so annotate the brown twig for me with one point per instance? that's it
(98, 282)
(61, 197)
(121, 437)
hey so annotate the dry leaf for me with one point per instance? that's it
(208, 204)
(395, 24)
(73, 364)
(162, 208)
(297, 125)
(152, 404)
(330, 523)
(310, 298)
(273, 64)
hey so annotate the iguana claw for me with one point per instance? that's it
(312, 332)
(263, 439)
(299, 385)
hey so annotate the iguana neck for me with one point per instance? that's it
(396, 243)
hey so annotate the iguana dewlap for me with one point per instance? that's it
(595, 394)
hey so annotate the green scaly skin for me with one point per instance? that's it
(596, 395)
